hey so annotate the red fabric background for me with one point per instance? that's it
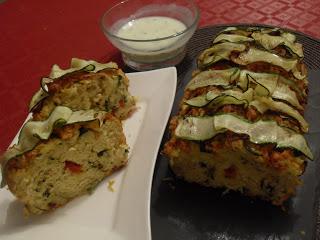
(35, 34)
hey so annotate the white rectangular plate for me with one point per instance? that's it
(122, 214)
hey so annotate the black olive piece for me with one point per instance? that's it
(46, 193)
(211, 172)
(203, 165)
(202, 146)
(106, 105)
(82, 131)
(266, 187)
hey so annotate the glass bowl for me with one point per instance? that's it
(153, 44)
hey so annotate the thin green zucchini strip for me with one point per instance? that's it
(56, 72)
(214, 78)
(218, 52)
(34, 131)
(269, 84)
(222, 98)
(257, 55)
(80, 64)
(231, 38)
(262, 104)
(270, 42)
(260, 132)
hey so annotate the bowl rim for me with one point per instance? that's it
(106, 31)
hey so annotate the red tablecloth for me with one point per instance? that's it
(35, 34)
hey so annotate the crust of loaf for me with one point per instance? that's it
(106, 90)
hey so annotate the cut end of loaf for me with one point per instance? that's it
(236, 169)
(71, 163)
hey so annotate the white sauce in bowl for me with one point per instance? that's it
(148, 28)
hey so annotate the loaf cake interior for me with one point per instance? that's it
(69, 164)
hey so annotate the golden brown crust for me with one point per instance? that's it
(106, 90)
(70, 78)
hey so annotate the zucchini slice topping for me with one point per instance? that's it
(260, 132)
(41, 94)
(262, 104)
(257, 55)
(79, 64)
(231, 38)
(56, 72)
(218, 52)
(284, 93)
(228, 29)
(270, 42)
(37, 98)
(33, 131)
(222, 98)
(269, 84)
(289, 36)
(214, 78)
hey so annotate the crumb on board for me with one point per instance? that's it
(110, 185)
(173, 187)
(225, 192)
(167, 179)
(302, 232)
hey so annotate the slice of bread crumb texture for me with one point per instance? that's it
(75, 138)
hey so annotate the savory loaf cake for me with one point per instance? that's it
(63, 157)
(85, 85)
(240, 124)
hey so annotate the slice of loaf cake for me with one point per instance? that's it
(63, 157)
(241, 121)
(85, 85)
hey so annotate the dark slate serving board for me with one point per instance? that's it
(187, 211)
